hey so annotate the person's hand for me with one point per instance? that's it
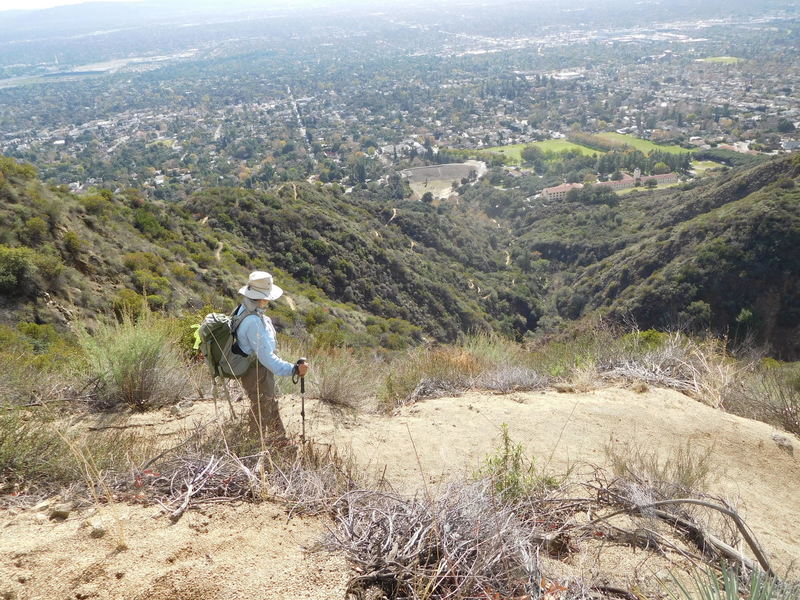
(301, 367)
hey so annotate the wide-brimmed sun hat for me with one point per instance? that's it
(260, 287)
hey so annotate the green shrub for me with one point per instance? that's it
(17, 268)
(73, 244)
(513, 475)
(128, 303)
(137, 363)
(151, 283)
(95, 204)
(35, 231)
(144, 261)
(49, 267)
(643, 341)
(182, 273)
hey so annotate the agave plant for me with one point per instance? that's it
(708, 585)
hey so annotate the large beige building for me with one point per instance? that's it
(560, 192)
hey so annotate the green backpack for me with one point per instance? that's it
(215, 338)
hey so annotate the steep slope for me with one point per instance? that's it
(352, 263)
(720, 255)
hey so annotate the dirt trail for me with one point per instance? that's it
(251, 552)
(244, 551)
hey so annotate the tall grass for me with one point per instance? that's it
(684, 472)
(136, 363)
(771, 393)
(36, 448)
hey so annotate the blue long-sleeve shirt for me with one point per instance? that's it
(256, 334)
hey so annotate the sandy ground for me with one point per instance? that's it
(452, 436)
(251, 551)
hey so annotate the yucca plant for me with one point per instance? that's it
(708, 585)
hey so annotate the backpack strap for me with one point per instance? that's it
(236, 320)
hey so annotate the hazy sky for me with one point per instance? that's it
(36, 4)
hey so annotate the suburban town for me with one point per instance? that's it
(668, 85)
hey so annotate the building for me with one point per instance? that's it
(560, 192)
(664, 179)
(626, 182)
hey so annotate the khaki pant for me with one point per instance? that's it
(259, 383)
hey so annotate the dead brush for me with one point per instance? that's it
(463, 544)
(702, 369)
(510, 378)
(308, 480)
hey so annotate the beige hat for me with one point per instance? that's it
(260, 287)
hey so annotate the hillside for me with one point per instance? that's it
(361, 269)
(719, 254)
(373, 267)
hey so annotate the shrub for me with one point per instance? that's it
(652, 477)
(35, 231)
(513, 475)
(136, 363)
(17, 267)
(73, 244)
(128, 303)
(49, 267)
(95, 204)
(145, 261)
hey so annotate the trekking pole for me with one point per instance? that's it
(302, 361)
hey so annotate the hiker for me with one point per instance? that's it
(256, 335)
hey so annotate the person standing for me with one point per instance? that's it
(256, 337)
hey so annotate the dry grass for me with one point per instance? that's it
(342, 378)
(702, 369)
(135, 363)
(770, 394)
(685, 472)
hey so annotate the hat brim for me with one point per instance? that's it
(275, 293)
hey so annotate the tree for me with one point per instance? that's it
(660, 168)
(427, 197)
(650, 184)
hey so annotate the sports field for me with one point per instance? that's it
(701, 166)
(514, 151)
(725, 60)
(645, 146)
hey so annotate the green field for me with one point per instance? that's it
(645, 146)
(514, 151)
(725, 60)
(642, 188)
(701, 166)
